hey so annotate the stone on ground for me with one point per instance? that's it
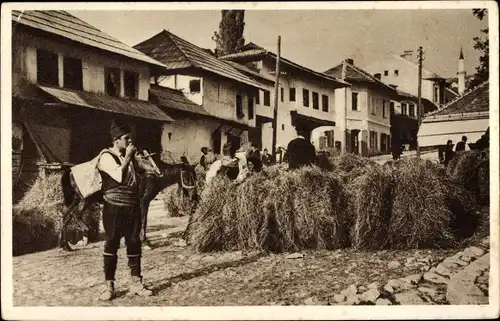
(408, 298)
(383, 302)
(339, 298)
(393, 265)
(435, 278)
(353, 299)
(370, 296)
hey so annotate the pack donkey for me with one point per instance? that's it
(153, 177)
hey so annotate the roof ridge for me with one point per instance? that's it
(460, 97)
(367, 74)
(183, 52)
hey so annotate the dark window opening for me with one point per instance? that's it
(250, 108)
(354, 101)
(112, 81)
(47, 66)
(72, 77)
(194, 86)
(282, 93)
(267, 98)
(392, 107)
(315, 100)
(282, 126)
(383, 109)
(257, 97)
(412, 110)
(386, 72)
(239, 106)
(396, 72)
(292, 94)
(305, 97)
(324, 99)
(131, 84)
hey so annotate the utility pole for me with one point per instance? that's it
(276, 98)
(419, 107)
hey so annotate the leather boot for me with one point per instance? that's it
(109, 292)
(137, 287)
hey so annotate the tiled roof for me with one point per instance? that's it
(355, 74)
(250, 72)
(132, 107)
(174, 99)
(63, 24)
(177, 53)
(252, 52)
(474, 100)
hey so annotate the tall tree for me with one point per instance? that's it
(482, 43)
(230, 38)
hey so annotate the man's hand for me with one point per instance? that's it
(130, 150)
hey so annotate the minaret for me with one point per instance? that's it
(461, 73)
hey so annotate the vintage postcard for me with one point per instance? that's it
(250, 160)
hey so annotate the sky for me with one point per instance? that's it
(317, 39)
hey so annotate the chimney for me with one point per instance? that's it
(350, 61)
(344, 70)
(378, 76)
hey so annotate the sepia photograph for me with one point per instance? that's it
(266, 160)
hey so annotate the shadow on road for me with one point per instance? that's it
(166, 283)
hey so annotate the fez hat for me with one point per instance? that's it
(118, 129)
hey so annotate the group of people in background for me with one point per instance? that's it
(300, 152)
(451, 150)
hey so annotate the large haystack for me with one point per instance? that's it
(277, 211)
(421, 211)
(370, 204)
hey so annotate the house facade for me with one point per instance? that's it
(403, 72)
(367, 117)
(222, 98)
(306, 98)
(467, 115)
(69, 80)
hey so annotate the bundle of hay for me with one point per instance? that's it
(277, 211)
(421, 216)
(206, 229)
(464, 170)
(347, 162)
(370, 204)
(175, 204)
(37, 217)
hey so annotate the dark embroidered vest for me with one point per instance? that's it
(120, 194)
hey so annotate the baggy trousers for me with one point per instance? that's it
(121, 221)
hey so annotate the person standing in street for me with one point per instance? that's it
(462, 145)
(266, 158)
(300, 152)
(203, 162)
(121, 212)
(449, 154)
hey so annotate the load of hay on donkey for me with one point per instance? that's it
(37, 217)
(353, 202)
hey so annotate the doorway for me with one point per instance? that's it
(355, 141)
(235, 142)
